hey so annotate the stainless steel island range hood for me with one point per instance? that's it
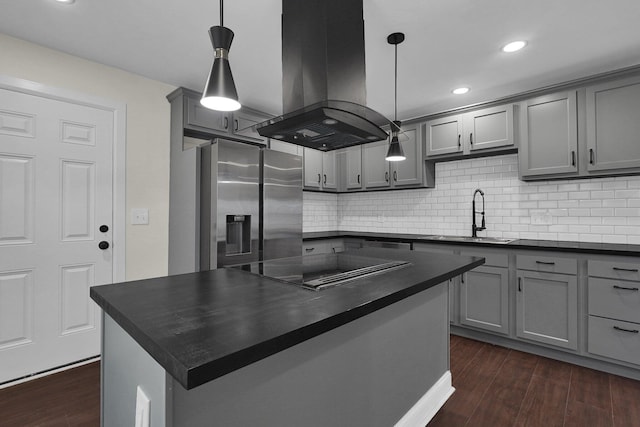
(323, 77)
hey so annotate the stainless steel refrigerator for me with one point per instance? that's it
(250, 204)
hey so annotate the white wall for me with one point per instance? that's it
(587, 210)
(147, 136)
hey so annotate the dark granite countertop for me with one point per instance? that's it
(547, 245)
(201, 326)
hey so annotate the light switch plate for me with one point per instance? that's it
(140, 216)
(142, 409)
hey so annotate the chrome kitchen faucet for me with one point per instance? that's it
(474, 227)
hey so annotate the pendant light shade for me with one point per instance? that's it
(220, 91)
(395, 153)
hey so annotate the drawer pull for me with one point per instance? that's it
(309, 249)
(545, 262)
(633, 331)
(519, 284)
(632, 270)
(625, 288)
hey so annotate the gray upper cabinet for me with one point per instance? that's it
(613, 125)
(198, 117)
(380, 173)
(244, 121)
(488, 128)
(444, 136)
(319, 169)
(286, 147)
(353, 168)
(549, 136)
(547, 300)
(376, 168)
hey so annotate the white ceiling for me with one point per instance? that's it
(449, 43)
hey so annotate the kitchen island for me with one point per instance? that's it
(229, 347)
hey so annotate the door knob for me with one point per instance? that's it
(103, 245)
(104, 228)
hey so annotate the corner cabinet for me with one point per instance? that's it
(613, 125)
(380, 174)
(319, 169)
(352, 177)
(547, 300)
(461, 134)
(549, 136)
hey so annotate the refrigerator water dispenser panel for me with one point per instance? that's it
(238, 234)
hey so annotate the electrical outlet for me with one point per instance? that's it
(142, 409)
(140, 216)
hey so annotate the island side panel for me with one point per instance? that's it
(125, 366)
(369, 372)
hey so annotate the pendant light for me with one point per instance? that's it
(395, 153)
(220, 91)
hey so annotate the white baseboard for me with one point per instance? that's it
(52, 371)
(429, 404)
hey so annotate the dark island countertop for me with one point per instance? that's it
(200, 326)
(546, 245)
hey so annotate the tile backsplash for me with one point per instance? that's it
(586, 210)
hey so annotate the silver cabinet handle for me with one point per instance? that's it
(319, 178)
(395, 176)
(591, 156)
(309, 249)
(545, 262)
(358, 178)
(325, 179)
(237, 125)
(226, 123)
(573, 158)
(459, 143)
(471, 138)
(519, 284)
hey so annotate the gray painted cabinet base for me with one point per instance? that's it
(370, 372)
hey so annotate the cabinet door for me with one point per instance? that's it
(329, 161)
(244, 120)
(613, 125)
(547, 308)
(354, 167)
(409, 171)
(444, 136)
(312, 168)
(376, 168)
(286, 147)
(489, 127)
(198, 116)
(484, 299)
(549, 136)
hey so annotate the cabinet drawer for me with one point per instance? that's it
(622, 343)
(614, 299)
(614, 269)
(547, 264)
(493, 259)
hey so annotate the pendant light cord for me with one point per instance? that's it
(221, 19)
(395, 101)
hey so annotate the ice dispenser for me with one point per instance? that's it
(238, 234)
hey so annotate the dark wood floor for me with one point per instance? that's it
(66, 399)
(495, 387)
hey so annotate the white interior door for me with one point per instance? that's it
(56, 165)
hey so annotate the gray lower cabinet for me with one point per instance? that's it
(549, 136)
(484, 292)
(547, 300)
(484, 299)
(614, 309)
(613, 125)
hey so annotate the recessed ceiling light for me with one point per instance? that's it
(329, 121)
(66, 1)
(514, 46)
(460, 90)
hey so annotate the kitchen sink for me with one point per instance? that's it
(497, 240)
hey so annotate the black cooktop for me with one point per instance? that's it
(321, 271)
